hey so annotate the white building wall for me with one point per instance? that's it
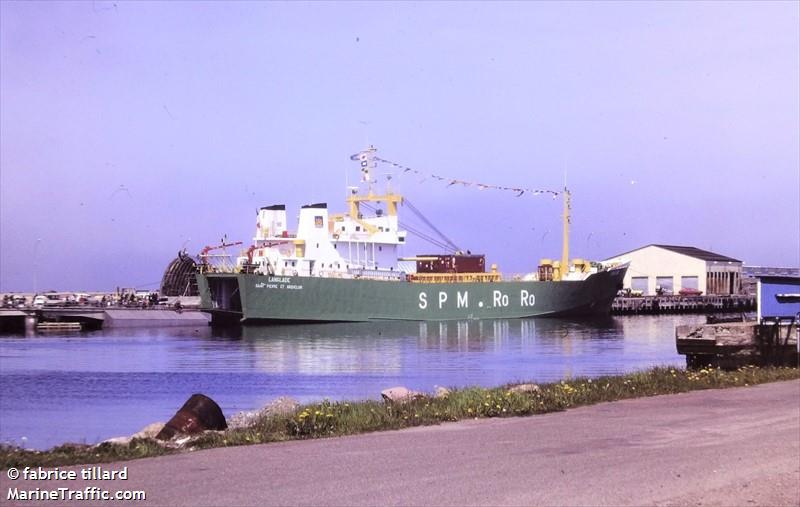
(653, 262)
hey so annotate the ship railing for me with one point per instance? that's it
(376, 274)
(210, 268)
(454, 277)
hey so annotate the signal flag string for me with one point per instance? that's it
(520, 191)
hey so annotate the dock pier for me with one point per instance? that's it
(29, 320)
(735, 344)
(655, 305)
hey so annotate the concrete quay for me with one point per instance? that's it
(716, 447)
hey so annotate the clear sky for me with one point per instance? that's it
(131, 129)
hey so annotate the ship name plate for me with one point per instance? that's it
(499, 299)
(290, 286)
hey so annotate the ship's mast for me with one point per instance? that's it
(367, 161)
(565, 240)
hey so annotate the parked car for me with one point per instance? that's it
(688, 291)
(54, 300)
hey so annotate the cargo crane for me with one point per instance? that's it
(205, 255)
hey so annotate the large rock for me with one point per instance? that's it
(441, 392)
(198, 414)
(278, 407)
(400, 394)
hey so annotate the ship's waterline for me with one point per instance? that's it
(296, 298)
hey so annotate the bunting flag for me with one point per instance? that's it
(481, 186)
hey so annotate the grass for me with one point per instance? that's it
(329, 418)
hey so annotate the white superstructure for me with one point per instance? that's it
(343, 245)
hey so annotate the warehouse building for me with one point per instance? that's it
(669, 268)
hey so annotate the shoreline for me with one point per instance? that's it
(714, 446)
(326, 419)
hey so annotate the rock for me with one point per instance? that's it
(180, 442)
(525, 388)
(189, 441)
(277, 407)
(281, 406)
(149, 431)
(400, 394)
(441, 392)
(117, 441)
(198, 414)
(243, 419)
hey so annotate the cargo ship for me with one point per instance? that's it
(345, 267)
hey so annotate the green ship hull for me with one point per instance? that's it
(253, 298)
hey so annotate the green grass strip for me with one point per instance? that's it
(336, 418)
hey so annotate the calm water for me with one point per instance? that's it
(93, 386)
